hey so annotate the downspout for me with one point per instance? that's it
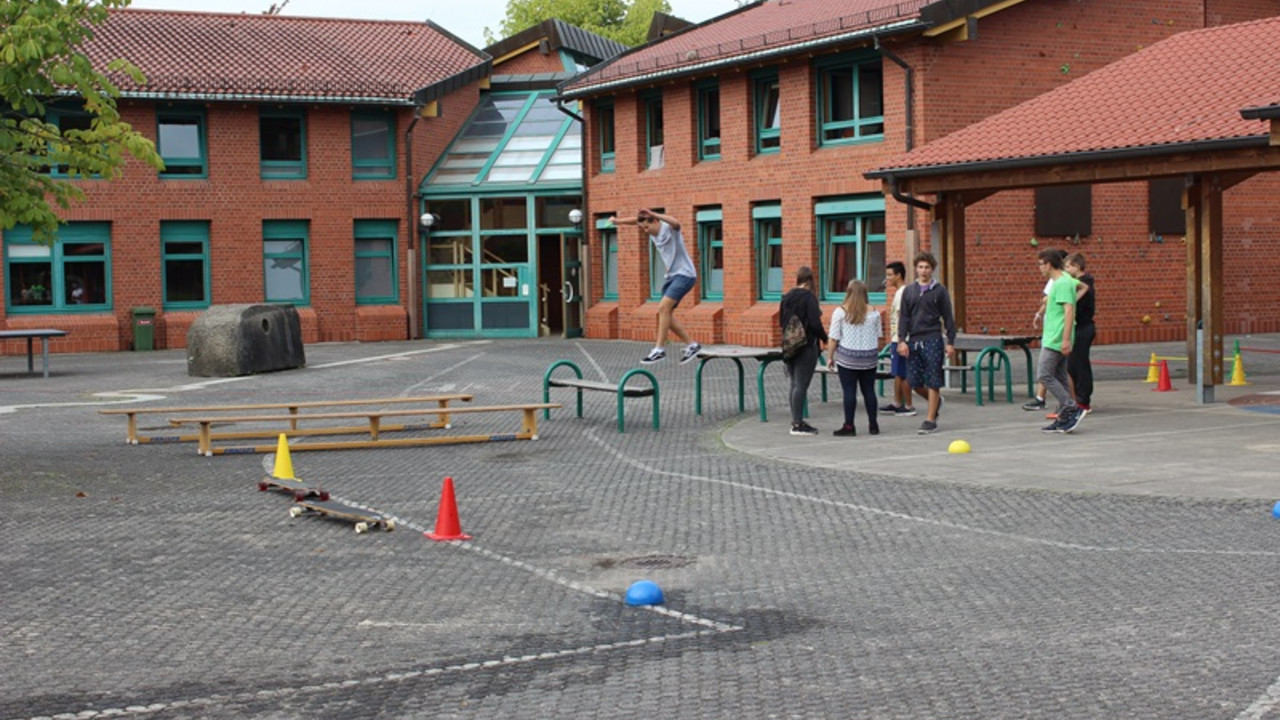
(414, 229)
(584, 229)
(909, 114)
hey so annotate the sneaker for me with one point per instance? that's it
(905, 412)
(1083, 407)
(927, 428)
(690, 352)
(803, 428)
(1073, 420)
(1036, 404)
(655, 355)
(846, 431)
(1053, 427)
(890, 408)
(875, 429)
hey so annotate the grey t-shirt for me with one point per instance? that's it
(670, 244)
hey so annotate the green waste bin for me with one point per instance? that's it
(144, 328)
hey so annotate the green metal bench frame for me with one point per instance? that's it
(621, 390)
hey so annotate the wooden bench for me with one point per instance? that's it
(620, 389)
(131, 414)
(528, 428)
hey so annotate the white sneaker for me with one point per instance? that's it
(655, 355)
(690, 352)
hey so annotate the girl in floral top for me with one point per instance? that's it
(855, 343)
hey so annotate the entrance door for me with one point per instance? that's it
(572, 286)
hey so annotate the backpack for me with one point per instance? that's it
(794, 338)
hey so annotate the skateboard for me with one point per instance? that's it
(363, 519)
(298, 489)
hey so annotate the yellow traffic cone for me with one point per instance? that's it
(1153, 370)
(284, 466)
(1237, 373)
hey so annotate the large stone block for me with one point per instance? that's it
(232, 340)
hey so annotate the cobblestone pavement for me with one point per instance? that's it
(149, 582)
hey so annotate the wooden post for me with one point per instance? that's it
(1211, 290)
(1191, 203)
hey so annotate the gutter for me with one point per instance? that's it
(909, 93)
(414, 228)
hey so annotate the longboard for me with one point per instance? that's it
(292, 486)
(363, 519)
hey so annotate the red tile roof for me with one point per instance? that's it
(1189, 88)
(771, 25)
(214, 55)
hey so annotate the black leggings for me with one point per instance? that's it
(1078, 365)
(851, 381)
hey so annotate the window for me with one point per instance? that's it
(850, 101)
(768, 113)
(184, 247)
(711, 250)
(655, 158)
(180, 141)
(376, 282)
(283, 141)
(1064, 210)
(71, 275)
(284, 261)
(67, 119)
(604, 128)
(609, 258)
(768, 232)
(852, 236)
(709, 121)
(1164, 203)
(373, 146)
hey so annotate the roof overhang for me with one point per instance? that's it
(458, 81)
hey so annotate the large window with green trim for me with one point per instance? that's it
(850, 100)
(373, 145)
(654, 135)
(284, 261)
(72, 274)
(766, 112)
(767, 218)
(708, 120)
(604, 130)
(608, 258)
(375, 242)
(184, 248)
(181, 141)
(851, 233)
(711, 250)
(282, 137)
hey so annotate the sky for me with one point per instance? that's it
(465, 18)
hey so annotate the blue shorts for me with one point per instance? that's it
(924, 367)
(897, 363)
(677, 286)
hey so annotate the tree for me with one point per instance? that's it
(42, 67)
(626, 21)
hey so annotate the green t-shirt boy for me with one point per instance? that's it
(1061, 294)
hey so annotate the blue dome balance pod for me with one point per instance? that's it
(644, 592)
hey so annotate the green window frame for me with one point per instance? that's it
(71, 275)
(654, 133)
(766, 112)
(373, 145)
(184, 264)
(711, 251)
(285, 261)
(68, 119)
(377, 280)
(282, 143)
(850, 97)
(708, 120)
(182, 142)
(767, 221)
(657, 271)
(851, 236)
(608, 259)
(605, 130)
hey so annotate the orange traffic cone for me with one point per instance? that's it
(447, 525)
(1164, 385)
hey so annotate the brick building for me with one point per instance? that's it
(756, 128)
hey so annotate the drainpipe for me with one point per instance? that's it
(414, 230)
(585, 228)
(910, 115)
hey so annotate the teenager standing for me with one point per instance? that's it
(800, 302)
(855, 344)
(926, 314)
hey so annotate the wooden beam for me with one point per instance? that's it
(962, 22)
(1275, 132)
(1191, 203)
(951, 254)
(1254, 160)
(1211, 290)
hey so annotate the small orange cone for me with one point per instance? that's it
(447, 525)
(1165, 385)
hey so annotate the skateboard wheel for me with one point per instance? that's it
(390, 525)
(324, 495)
(262, 487)
(295, 511)
(299, 495)
(361, 528)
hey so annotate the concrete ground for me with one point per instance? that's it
(1125, 570)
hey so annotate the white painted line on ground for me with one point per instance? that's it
(1264, 704)
(641, 465)
(591, 359)
(407, 353)
(409, 391)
